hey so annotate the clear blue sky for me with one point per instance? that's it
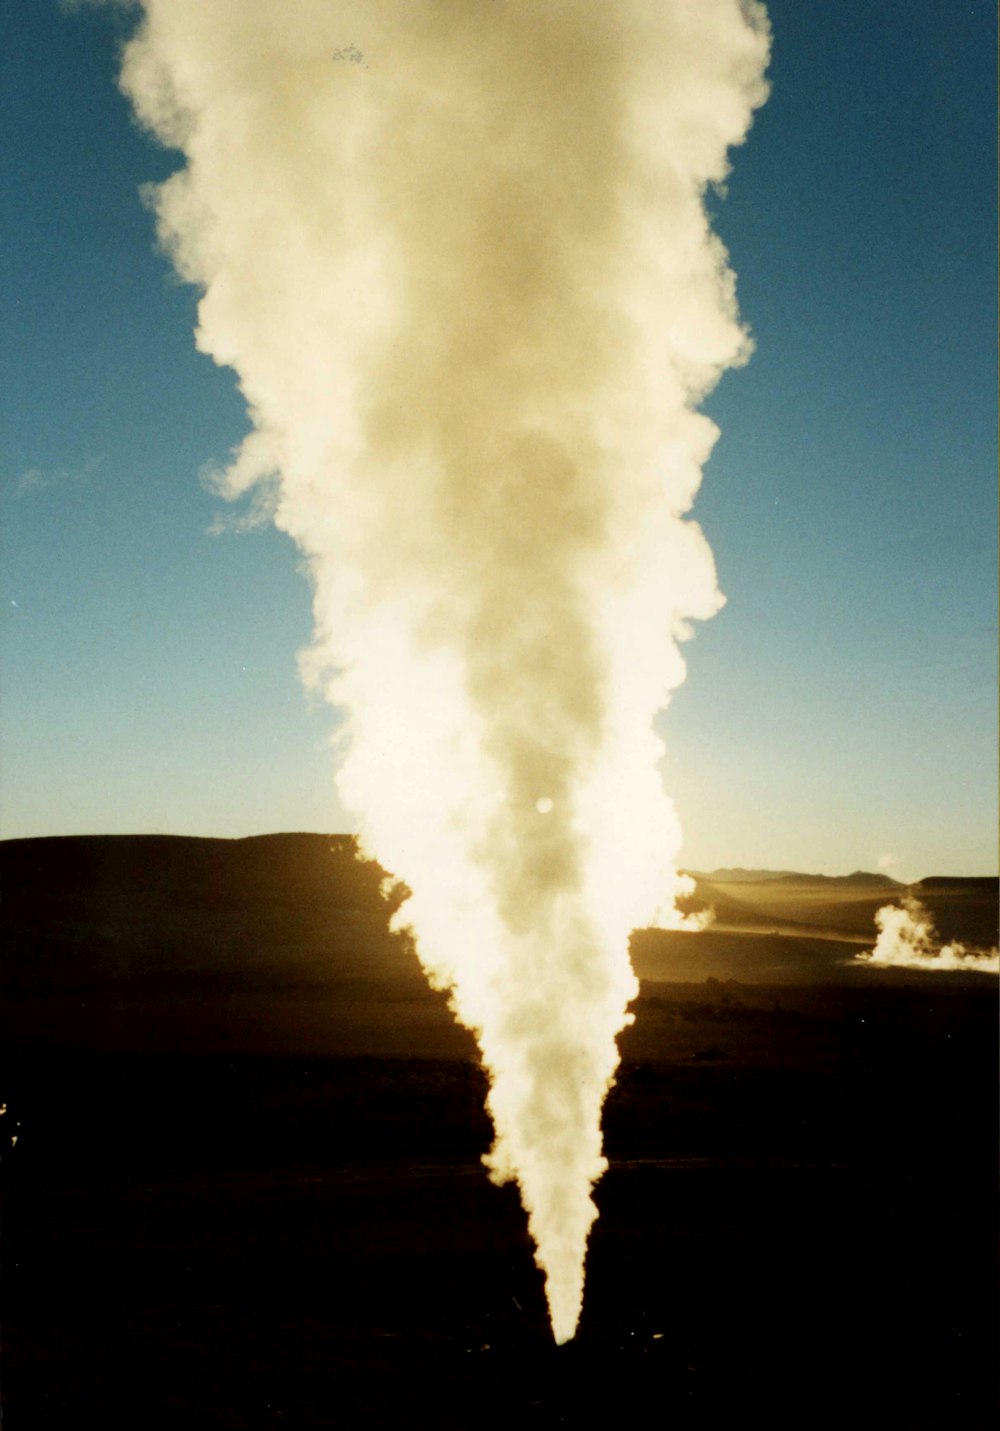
(842, 708)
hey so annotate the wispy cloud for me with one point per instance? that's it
(40, 479)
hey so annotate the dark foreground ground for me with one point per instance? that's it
(798, 1227)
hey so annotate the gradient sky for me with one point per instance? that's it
(840, 711)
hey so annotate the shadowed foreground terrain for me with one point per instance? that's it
(245, 1190)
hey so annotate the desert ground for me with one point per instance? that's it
(242, 1181)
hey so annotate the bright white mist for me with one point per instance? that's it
(907, 939)
(456, 252)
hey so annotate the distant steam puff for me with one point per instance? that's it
(907, 939)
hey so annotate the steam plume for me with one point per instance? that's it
(907, 938)
(456, 252)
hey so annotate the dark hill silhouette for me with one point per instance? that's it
(980, 884)
(282, 943)
(271, 943)
(241, 1147)
(321, 868)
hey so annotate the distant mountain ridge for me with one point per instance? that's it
(738, 875)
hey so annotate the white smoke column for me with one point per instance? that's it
(456, 252)
(907, 938)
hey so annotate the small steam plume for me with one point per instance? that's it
(457, 254)
(907, 938)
